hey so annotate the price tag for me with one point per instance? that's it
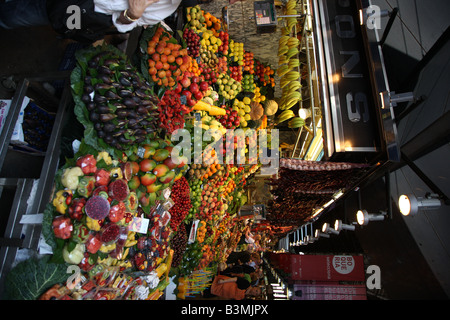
(139, 224)
(140, 152)
(193, 232)
(198, 116)
(183, 99)
(168, 204)
(166, 193)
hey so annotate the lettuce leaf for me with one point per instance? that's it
(29, 279)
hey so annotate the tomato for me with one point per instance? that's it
(93, 243)
(62, 227)
(117, 212)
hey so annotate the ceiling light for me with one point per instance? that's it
(338, 226)
(304, 113)
(409, 204)
(327, 229)
(363, 217)
(319, 234)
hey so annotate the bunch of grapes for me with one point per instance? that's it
(193, 42)
(223, 36)
(178, 244)
(182, 202)
(236, 72)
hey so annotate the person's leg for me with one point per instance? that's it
(23, 13)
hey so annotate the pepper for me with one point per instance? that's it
(107, 248)
(80, 232)
(102, 177)
(131, 240)
(103, 155)
(62, 200)
(87, 163)
(62, 227)
(116, 173)
(92, 224)
(70, 177)
(76, 209)
(86, 186)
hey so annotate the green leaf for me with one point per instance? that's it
(29, 279)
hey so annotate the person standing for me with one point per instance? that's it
(97, 17)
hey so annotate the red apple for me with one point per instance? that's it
(204, 86)
(198, 95)
(194, 88)
(185, 82)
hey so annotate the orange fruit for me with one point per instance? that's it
(156, 57)
(170, 59)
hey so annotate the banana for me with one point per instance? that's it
(296, 122)
(290, 103)
(291, 21)
(294, 86)
(281, 71)
(290, 12)
(283, 50)
(285, 31)
(291, 4)
(292, 74)
(292, 42)
(294, 63)
(291, 99)
(294, 95)
(292, 52)
(282, 60)
(284, 82)
(283, 40)
(285, 115)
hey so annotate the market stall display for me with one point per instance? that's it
(127, 210)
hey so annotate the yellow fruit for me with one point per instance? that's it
(246, 100)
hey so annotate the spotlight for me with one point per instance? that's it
(304, 113)
(363, 217)
(409, 204)
(319, 234)
(338, 226)
(327, 229)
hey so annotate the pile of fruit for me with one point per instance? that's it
(127, 200)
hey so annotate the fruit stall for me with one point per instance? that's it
(173, 141)
(130, 211)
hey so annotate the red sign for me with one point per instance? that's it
(322, 267)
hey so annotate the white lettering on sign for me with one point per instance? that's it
(343, 264)
(357, 106)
